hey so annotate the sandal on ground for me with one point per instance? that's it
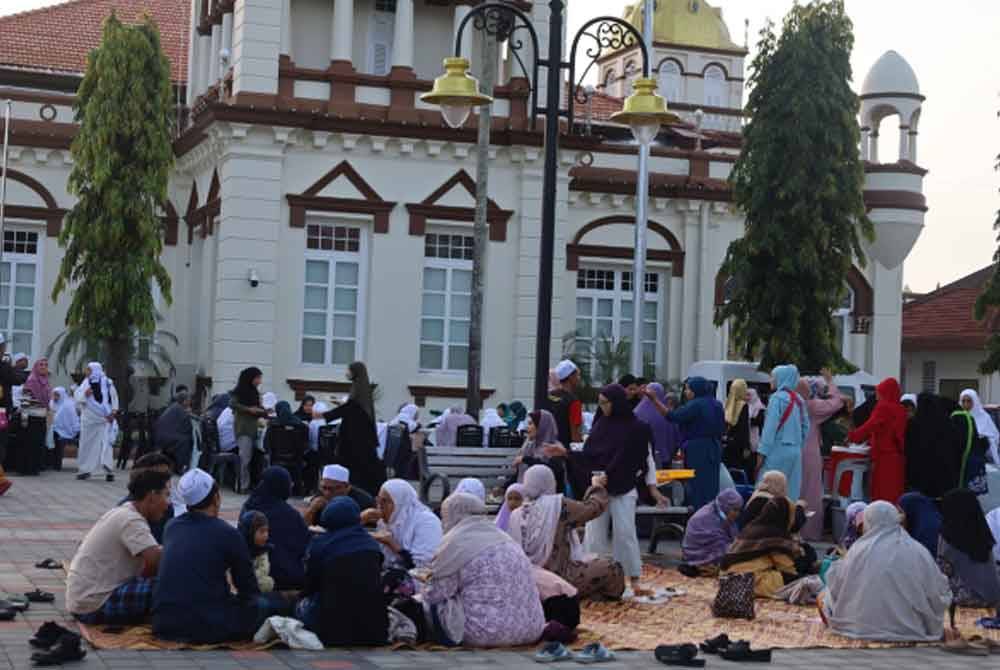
(7, 613)
(964, 647)
(14, 602)
(716, 644)
(679, 654)
(688, 570)
(992, 645)
(595, 652)
(741, 651)
(68, 648)
(553, 652)
(48, 634)
(49, 564)
(39, 596)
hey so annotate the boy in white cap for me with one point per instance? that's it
(566, 409)
(192, 601)
(335, 482)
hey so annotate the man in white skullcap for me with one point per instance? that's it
(193, 602)
(563, 403)
(335, 482)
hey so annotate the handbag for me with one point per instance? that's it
(735, 598)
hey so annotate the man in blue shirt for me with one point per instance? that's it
(192, 601)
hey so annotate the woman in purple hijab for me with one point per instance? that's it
(666, 435)
(709, 533)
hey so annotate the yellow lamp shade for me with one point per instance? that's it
(644, 111)
(456, 92)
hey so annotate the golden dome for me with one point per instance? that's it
(689, 22)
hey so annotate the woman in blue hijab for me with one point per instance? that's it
(786, 426)
(923, 520)
(289, 534)
(702, 420)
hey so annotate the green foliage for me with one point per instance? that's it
(73, 349)
(799, 180)
(988, 302)
(122, 157)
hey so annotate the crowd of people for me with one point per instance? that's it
(566, 528)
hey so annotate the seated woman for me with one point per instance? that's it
(921, 519)
(545, 526)
(773, 484)
(965, 553)
(472, 486)
(289, 534)
(541, 432)
(766, 548)
(854, 525)
(344, 565)
(709, 533)
(481, 592)
(513, 498)
(409, 532)
(888, 587)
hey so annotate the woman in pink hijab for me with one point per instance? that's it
(821, 404)
(38, 383)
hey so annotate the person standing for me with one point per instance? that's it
(786, 426)
(633, 389)
(247, 410)
(65, 423)
(566, 409)
(969, 399)
(821, 404)
(357, 440)
(886, 430)
(173, 433)
(666, 435)
(9, 377)
(36, 393)
(99, 398)
(702, 419)
(738, 453)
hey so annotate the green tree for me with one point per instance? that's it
(799, 181)
(987, 304)
(122, 157)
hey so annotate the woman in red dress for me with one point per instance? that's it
(885, 430)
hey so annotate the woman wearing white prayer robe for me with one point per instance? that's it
(99, 400)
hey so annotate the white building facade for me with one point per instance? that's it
(320, 173)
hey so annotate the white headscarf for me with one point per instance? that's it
(887, 587)
(984, 424)
(414, 527)
(446, 433)
(473, 487)
(268, 401)
(491, 419)
(408, 416)
(316, 424)
(468, 533)
(97, 376)
(66, 422)
(533, 525)
(909, 397)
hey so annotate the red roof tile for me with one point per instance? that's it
(58, 38)
(943, 319)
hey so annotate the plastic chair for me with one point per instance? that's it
(503, 437)
(216, 462)
(469, 436)
(287, 447)
(860, 470)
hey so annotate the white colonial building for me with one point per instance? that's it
(306, 161)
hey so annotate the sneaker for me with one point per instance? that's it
(553, 652)
(48, 634)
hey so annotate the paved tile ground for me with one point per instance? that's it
(46, 516)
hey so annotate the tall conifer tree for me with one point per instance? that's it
(799, 181)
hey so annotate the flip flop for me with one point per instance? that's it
(965, 647)
(553, 652)
(595, 652)
(715, 644)
(741, 651)
(992, 645)
(7, 613)
(14, 602)
(39, 596)
(679, 654)
(49, 564)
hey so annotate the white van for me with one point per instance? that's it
(720, 374)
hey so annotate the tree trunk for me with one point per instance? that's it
(487, 79)
(118, 370)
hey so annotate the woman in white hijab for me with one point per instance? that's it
(888, 586)
(473, 487)
(984, 423)
(491, 419)
(99, 401)
(65, 422)
(408, 531)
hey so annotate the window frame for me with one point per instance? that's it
(720, 81)
(449, 265)
(363, 224)
(37, 258)
(618, 295)
(660, 84)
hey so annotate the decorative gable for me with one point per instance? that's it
(341, 189)
(455, 200)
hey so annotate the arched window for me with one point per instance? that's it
(670, 81)
(715, 87)
(609, 79)
(630, 71)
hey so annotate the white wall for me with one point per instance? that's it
(953, 365)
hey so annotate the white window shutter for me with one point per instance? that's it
(380, 41)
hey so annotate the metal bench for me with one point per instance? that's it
(668, 522)
(441, 465)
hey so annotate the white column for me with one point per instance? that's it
(213, 56)
(904, 132)
(912, 153)
(873, 145)
(402, 49)
(204, 62)
(286, 27)
(689, 288)
(864, 144)
(706, 282)
(461, 11)
(192, 65)
(342, 46)
(227, 35)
